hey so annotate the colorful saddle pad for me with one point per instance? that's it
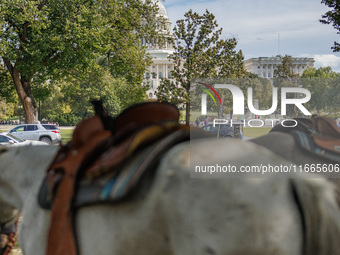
(105, 160)
(308, 143)
(123, 181)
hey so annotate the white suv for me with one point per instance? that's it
(39, 132)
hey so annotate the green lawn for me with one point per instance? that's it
(66, 135)
(256, 131)
(247, 131)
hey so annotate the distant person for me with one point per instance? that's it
(198, 122)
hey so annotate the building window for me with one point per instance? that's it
(150, 95)
(160, 75)
(147, 75)
(154, 75)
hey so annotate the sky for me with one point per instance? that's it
(267, 28)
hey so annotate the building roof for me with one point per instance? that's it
(278, 58)
(161, 9)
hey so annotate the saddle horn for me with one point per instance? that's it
(107, 120)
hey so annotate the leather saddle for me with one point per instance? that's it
(327, 135)
(105, 148)
(323, 140)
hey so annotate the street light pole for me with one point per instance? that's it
(39, 113)
(20, 108)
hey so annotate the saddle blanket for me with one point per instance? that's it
(307, 142)
(117, 185)
(123, 179)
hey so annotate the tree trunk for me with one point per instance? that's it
(187, 113)
(23, 88)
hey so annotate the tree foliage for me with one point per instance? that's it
(72, 96)
(44, 40)
(199, 53)
(324, 86)
(332, 17)
(284, 76)
(285, 69)
(7, 91)
(321, 72)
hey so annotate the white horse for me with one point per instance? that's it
(182, 215)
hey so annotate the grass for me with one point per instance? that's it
(66, 135)
(247, 131)
(256, 131)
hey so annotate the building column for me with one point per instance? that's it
(157, 76)
(164, 71)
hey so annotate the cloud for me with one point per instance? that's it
(323, 60)
(327, 60)
(249, 20)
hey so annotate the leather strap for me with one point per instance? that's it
(61, 239)
(89, 139)
(328, 134)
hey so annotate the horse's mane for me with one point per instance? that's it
(321, 232)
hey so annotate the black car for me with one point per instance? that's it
(220, 130)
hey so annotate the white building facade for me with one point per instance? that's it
(264, 66)
(161, 66)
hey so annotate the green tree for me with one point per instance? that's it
(321, 72)
(199, 53)
(44, 40)
(285, 69)
(332, 17)
(284, 76)
(7, 91)
(73, 95)
(324, 86)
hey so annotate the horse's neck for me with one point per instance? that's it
(21, 171)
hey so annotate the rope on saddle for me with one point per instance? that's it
(11, 234)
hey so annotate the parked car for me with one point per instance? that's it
(8, 139)
(223, 130)
(39, 132)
